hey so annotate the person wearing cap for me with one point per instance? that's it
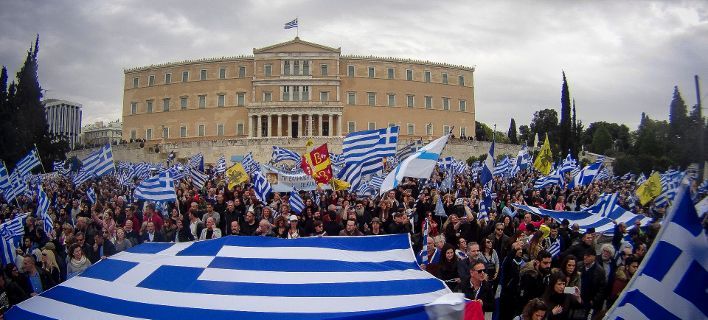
(593, 282)
(294, 231)
(376, 228)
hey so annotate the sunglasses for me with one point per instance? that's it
(479, 271)
(500, 229)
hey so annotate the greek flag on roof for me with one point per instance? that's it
(158, 188)
(28, 162)
(221, 165)
(296, 203)
(282, 154)
(364, 152)
(671, 281)
(598, 216)
(291, 24)
(419, 165)
(586, 175)
(247, 278)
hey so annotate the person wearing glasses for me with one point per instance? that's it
(479, 289)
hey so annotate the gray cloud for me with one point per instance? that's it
(621, 58)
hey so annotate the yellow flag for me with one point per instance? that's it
(339, 184)
(544, 159)
(236, 175)
(650, 189)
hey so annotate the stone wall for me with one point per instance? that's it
(262, 149)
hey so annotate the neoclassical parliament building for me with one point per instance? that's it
(296, 89)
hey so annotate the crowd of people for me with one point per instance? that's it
(506, 258)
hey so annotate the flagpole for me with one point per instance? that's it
(297, 28)
(40, 159)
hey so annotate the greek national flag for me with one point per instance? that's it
(247, 278)
(419, 165)
(42, 213)
(97, 163)
(586, 176)
(671, 281)
(249, 164)
(199, 178)
(11, 233)
(261, 186)
(424, 251)
(296, 203)
(91, 195)
(291, 24)
(17, 187)
(670, 183)
(486, 173)
(28, 162)
(158, 188)
(282, 154)
(555, 248)
(196, 161)
(58, 166)
(364, 152)
(4, 179)
(503, 168)
(221, 165)
(409, 150)
(568, 165)
(555, 178)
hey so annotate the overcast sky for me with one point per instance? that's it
(621, 58)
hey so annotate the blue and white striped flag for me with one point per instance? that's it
(641, 179)
(503, 168)
(91, 195)
(484, 204)
(58, 166)
(364, 152)
(486, 173)
(420, 165)
(17, 187)
(43, 203)
(424, 251)
(96, 164)
(261, 186)
(247, 278)
(670, 183)
(249, 164)
(196, 161)
(282, 154)
(158, 188)
(4, 178)
(221, 165)
(296, 203)
(555, 248)
(28, 162)
(291, 24)
(568, 165)
(199, 178)
(671, 280)
(554, 178)
(409, 149)
(11, 233)
(586, 176)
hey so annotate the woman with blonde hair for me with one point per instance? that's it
(49, 264)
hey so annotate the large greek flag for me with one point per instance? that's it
(364, 152)
(586, 176)
(28, 162)
(4, 178)
(282, 154)
(419, 165)
(17, 187)
(247, 278)
(158, 188)
(97, 163)
(11, 233)
(199, 178)
(671, 281)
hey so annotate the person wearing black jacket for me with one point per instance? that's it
(534, 277)
(182, 234)
(477, 288)
(593, 283)
(100, 249)
(229, 215)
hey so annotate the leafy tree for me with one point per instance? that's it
(577, 132)
(619, 133)
(679, 143)
(525, 134)
(601, 141)
(546, 122)
(482, 132)
(565, 134)
(512, 132)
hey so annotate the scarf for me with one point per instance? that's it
(78, 264)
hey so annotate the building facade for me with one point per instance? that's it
(296, 89)
(64, 120)
(100, 133)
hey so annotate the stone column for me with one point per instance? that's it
(258, 126)
(289, 125)
(319, 130)
(311, 129)
(339, 125)
(299, 125)
(270, 125)
(279, 133)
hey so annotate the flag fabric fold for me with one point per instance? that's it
(158, 188)
(419, 165)
(544, 160)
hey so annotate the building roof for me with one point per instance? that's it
(296, 45)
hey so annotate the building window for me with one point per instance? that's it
(296, 67)
(446, 129)
(133, 108)
(410, 101)
(168, 78)
(239, 129)
(350, 71)
(428, 102)
(286, 93)
(148, 134)
(220, 130)
(429, 129)
(202, 101)
(203, 74)
(461, 80)
(296, 93)
(371, 96)
(183, 103)
(324, 96)
(183, 131)
(241, 72)
(306, 68)
(136, 82)
(201, 130)
(222, 73)
(351, 98)
(351, 126)
(133, 134)
(166, 104)
(286, 67)
(151, 80)
(185, 76)
(165, 132)
(411, 129)
(324, 71)
(391, 100)
(372, 125)
(267, 96)
(268, 70)
(427, 76)
(463, 131)
(305, 93)
(240, 99)
(220, 100)
(149, 106)
(409, 75)
(463, 105)
(446, 103)
(391, 73)
(372, 72)
(444, 78)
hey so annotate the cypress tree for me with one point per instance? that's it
(679, 124)
(512, 132)
(566, 135)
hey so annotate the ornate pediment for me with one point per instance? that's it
(296, 45)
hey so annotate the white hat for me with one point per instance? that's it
(293, 217)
